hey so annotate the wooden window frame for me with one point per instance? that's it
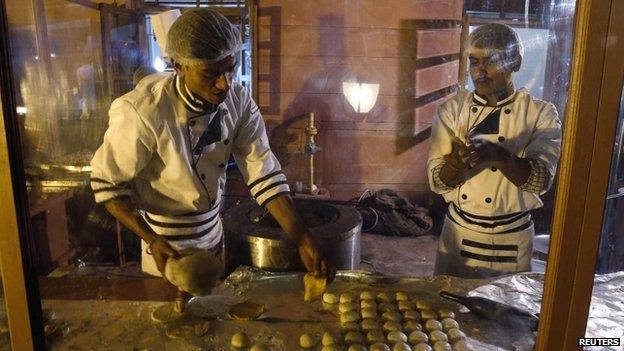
(590, 121)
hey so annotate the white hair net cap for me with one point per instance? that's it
(497, 37)
(202, 36)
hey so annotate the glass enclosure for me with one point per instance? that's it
(364, 78)
(5, 335)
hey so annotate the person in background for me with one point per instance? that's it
(493, 152)
(161, 168)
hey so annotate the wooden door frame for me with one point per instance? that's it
(590, 121)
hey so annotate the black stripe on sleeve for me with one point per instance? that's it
(269, 187)
(273, 197)
(261, 179)
(110, 188)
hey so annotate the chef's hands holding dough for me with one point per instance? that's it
(314, 260)
(480, 150)
(458, 153)
(161, 250)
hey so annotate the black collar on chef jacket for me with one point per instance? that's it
(199, 108)
(503, 99)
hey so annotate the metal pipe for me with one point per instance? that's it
(311, 147)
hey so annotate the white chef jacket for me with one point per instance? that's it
(525, 126)
(152, 151)
(488, 229)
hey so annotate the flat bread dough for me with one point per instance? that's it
(246, 311)
(165, 314)
(314, 287)
(196, 271)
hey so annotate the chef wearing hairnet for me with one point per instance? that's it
(161, 168)
(494, 151)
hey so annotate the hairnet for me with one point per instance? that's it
(202, 36)
(497, 37)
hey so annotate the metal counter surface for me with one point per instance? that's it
(127, 325)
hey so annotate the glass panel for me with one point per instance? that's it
(608, 296)
(350, 93)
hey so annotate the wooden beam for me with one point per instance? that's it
(85, 3)
(582, 180)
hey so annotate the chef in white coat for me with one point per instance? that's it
(494, 151)
(161, 169)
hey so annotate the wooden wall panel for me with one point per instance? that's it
(437, 42)
(436, 77)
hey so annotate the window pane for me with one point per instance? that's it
(356, 97)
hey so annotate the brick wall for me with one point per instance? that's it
(307, 49)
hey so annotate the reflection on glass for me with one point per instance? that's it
(5, 336)
(608, 291)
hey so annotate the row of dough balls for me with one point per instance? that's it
(382, 297)
(399, 341)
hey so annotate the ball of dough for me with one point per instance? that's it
(437, 335)
(384, 297)
(308, 341)
(401, 346)
(422, 304)
(401, 296)
(259, 347)
(448, 323)
(349, 316)
(411, 326)
(347, 306)
(368, 312)
(367, 295)
(406, 305)
(392, 316)
(390, 326)
(432, 325)
(396, 336)
(386, 306)
(446, 313)
(350, 326)
(240, 340)
(411, 315)
(417, 336)
(369, 324)
(196, 271)
(368, 304)
(375, 336)
(333, 347)
(428, 314)
(354, 338)
(442, 346)
(330, 298)
(461, 345)
(455, 335)
(422, 347)
(357, 347)
(347, 297)
(328, 339)
(379, 346)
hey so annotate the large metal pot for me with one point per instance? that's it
(336, 228)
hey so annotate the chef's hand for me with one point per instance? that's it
(459, 151)
(481, 150)
(161, 251)
(313, 260)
